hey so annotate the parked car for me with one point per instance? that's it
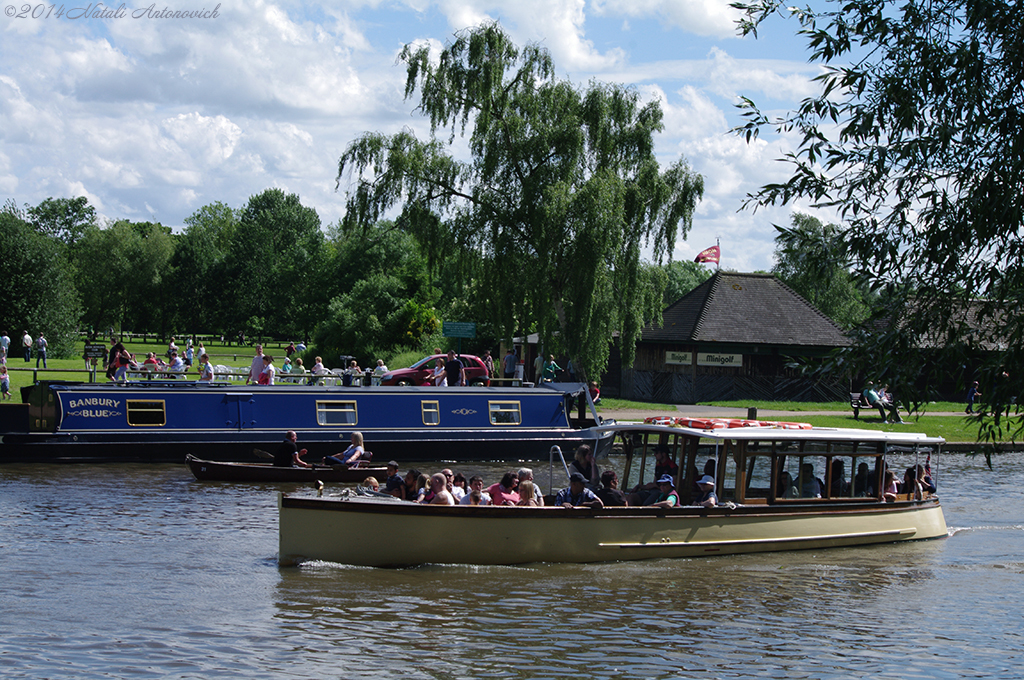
(422, 372)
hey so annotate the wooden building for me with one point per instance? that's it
(733, 337)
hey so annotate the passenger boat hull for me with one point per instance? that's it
(339, 530)
(214, 471)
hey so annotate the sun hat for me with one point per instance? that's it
(666, 479)
(577, 477)
(707, 479)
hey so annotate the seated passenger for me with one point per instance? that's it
(351, 456)
(372, 484)
(609, 492)
(457, 492)
(438, 491)
(911, 486)
(526, 474)
(785, 488)
(288, 453)
(394, 484)
(577, 494)
(585, 464)
(504, 492)
(889, 487)
(667, 495)
(476, 486)
(840, 487)
(810, 486)
(645, 494)
(409, 488)
(526, 494)
(925, 478)
(862, 482)
(707, 498)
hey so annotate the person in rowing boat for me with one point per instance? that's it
(352, 456)
(708, 498)
(609, 492)
(578, 495)
(288, 453)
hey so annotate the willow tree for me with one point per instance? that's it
(559, 197)
(915, 136)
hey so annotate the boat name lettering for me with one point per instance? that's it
(93, 401)
(99, 413)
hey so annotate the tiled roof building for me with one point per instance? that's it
(733, 337)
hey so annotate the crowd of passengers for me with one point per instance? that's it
(916, 481)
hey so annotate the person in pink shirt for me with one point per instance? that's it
(504, 492)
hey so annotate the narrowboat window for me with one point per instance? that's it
(146, 413)
(431, 412)
(505, 412)
(336, 413)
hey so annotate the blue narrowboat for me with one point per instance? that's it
(162, 421)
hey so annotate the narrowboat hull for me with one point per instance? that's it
(267, 473)
(335, 531)
(154, 421)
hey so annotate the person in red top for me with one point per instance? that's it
(504, 492)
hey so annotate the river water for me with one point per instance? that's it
(142, 572)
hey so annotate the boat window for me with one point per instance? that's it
(146, 413)
(336, 413)
(505, 412)
(431, 412)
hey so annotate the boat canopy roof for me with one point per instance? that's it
(780, 433)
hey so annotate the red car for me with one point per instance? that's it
(422, 372)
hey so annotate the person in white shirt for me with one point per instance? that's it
(476, 488)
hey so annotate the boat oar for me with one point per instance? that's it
(260, 453)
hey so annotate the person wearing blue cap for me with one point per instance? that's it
(578, 495)
(668, 497)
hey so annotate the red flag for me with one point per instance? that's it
(711, 254)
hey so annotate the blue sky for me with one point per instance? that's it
(153, 118)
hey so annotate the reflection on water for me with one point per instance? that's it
(139, 571)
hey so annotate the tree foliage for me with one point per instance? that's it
(64, 219)
(916, 137)
(682, 278)
(275, 256)
(560, 195)
(39, 292)
(121, 272)
(811, 259)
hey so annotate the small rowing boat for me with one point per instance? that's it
(215, 471)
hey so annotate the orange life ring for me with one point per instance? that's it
(737, 422)
(794, 426)
(658, 420)
(696, 423)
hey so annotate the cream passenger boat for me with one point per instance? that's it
(756, 513)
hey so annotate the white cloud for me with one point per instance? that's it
(704, 17)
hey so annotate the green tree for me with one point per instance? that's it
(64, 219)
(39, 291)
(560, 195)
(275, 260)
(120, 272)
(811, 259)
(198, 277)
(682, 278)
(915, 136)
